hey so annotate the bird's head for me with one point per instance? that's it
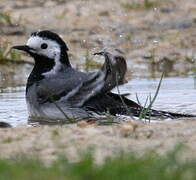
(45, 44)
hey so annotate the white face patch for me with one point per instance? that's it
(52, 50)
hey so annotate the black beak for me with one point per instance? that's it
(23, 48)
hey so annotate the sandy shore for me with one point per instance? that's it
(47, 142)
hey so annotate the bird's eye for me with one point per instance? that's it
(44, 46)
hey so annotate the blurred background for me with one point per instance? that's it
(155, 35)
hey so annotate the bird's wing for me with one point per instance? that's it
(114, 68)
(110, 75)
(56, 87)
(76, 87)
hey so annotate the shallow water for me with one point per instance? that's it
(13, 106)
(176, 95)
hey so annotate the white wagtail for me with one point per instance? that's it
(55, 90)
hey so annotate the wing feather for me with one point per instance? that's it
(110, 75)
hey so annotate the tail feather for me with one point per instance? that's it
(136, 110)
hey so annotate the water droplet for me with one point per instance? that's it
(155, 41)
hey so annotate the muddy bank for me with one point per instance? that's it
(47, 142)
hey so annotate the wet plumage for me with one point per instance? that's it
(54, 86)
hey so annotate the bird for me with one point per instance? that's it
(57, 91)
